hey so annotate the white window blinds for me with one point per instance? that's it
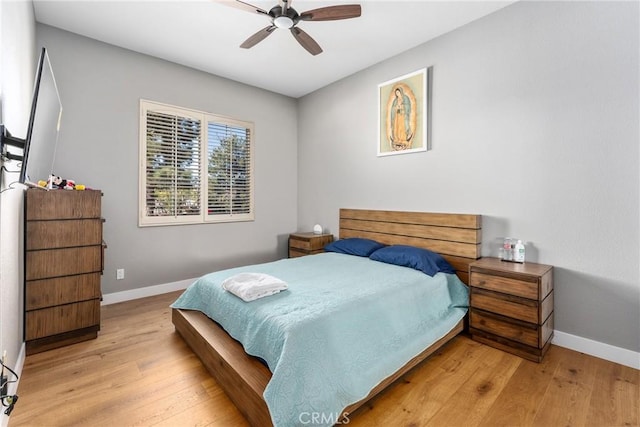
(177, 184)
(229, 169)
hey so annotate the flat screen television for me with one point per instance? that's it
(39, 145)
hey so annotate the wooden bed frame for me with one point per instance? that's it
(244, 378)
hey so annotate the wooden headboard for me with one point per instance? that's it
(457, 237)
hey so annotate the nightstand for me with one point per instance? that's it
(511, 306)
(301, 244)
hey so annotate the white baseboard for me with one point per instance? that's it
(148, 291)
(597, 349)
(13, 387)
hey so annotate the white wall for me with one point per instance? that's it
(100, 86)
(535, 126)
(18, 58)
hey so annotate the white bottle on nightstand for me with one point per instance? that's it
(518, 253)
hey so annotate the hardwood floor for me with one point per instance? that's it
(139, 372)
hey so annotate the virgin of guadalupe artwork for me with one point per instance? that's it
(402, 115)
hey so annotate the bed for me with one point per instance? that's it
(249, 382)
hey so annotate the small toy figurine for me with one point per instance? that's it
(62, 184)
(68, 184)
(54, 182)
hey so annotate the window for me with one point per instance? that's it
(195, 167)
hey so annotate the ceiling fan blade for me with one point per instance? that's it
(306, 41)
(237, 4)
(331, 13)
(258, 37)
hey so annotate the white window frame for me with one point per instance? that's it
(145, 220)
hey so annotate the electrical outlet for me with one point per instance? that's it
(120, 274)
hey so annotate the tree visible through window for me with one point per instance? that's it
(175, 184)
(229, 169)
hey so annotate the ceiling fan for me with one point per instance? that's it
(284, 16)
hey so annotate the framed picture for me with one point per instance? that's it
(403, 112)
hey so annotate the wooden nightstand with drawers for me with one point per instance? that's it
(511, 306)
(301, 244)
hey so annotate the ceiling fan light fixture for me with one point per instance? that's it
(283, 22)
(284, 16)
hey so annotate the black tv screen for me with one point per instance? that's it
(44, 125)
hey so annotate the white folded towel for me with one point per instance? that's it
(251, 286)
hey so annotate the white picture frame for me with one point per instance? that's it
(403, 112)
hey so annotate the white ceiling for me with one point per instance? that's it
(205, 35)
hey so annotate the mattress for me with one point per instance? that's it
(344, 324)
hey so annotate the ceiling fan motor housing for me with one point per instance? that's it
(284, 20)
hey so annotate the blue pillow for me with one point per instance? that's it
(423, 260)
(354, 246)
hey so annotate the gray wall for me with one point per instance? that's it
(18, 58)
(535, 126)
(100, 86)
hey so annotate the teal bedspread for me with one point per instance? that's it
(345, 324)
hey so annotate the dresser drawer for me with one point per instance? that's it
(518, 287)
(523, 332)
(45, 205)
(63, 262)
(63, 233)
(301, 244)
(61, 318)
(511, 306)
(61, 290)
(294, 253)
(309, 243)
(306, 245)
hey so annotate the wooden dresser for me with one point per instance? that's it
(301, 244)
(511, 306)
(62, 269)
